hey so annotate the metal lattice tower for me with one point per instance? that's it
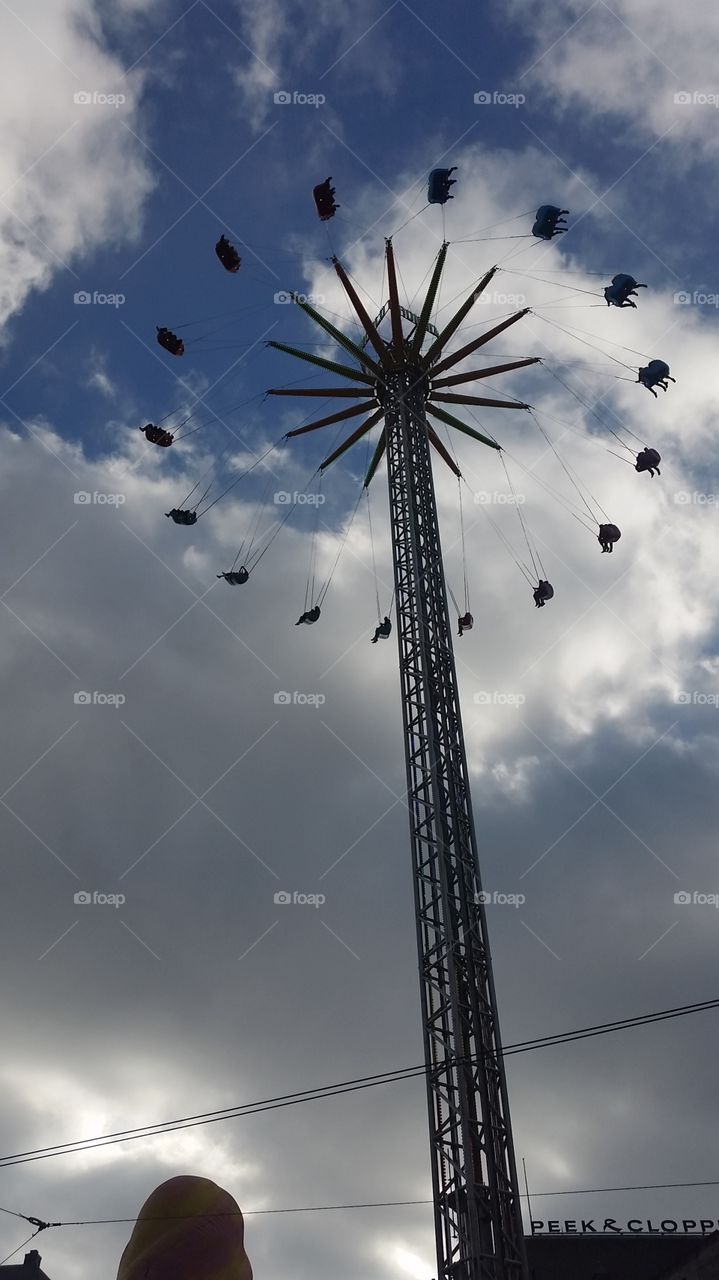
(478, 1221)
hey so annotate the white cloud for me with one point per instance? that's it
(135, 1035)
(274, 59)
(71, 176)
(99, 378)
(620, 629)
(628, 58)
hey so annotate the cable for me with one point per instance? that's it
(374, 561)
(587, 435)
(280, 524)
(365, 1204)
(553, 493)
(20, 1246)
(571, 475)
(525, 531)
(622, 346)
(406, 224)
(464, 551)
(326, 587)
(584, 342)
(515, 218)
(242, 475)
(251, 535)
(584, 404)
(347, 1086)
(523, 568)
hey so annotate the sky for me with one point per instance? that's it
(132, 135)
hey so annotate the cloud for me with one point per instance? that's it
(200, 796)
(71, 176)
(160, 1014)
(333, 36)
(98, 378)
(628, 60)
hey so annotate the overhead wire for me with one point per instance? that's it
(352, 1085)
(369, 1204)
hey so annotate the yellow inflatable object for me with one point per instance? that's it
(187, 1229)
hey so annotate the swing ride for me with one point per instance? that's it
(406, 383)
(369, 394)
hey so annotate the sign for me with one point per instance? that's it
(634, 1227)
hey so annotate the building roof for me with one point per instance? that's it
(28, 1269)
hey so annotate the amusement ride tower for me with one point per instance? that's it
(477, 1211)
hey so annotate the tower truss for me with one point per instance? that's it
(477, 1211)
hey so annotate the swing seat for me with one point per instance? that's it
(648, 460)
(542, 593)
(182, 517)
(382, 630)
(309, 617)
(324, 198)
(236, 578)
(157, 435)
(170, 341)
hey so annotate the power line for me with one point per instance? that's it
(364, 1204)
(336, 1090)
